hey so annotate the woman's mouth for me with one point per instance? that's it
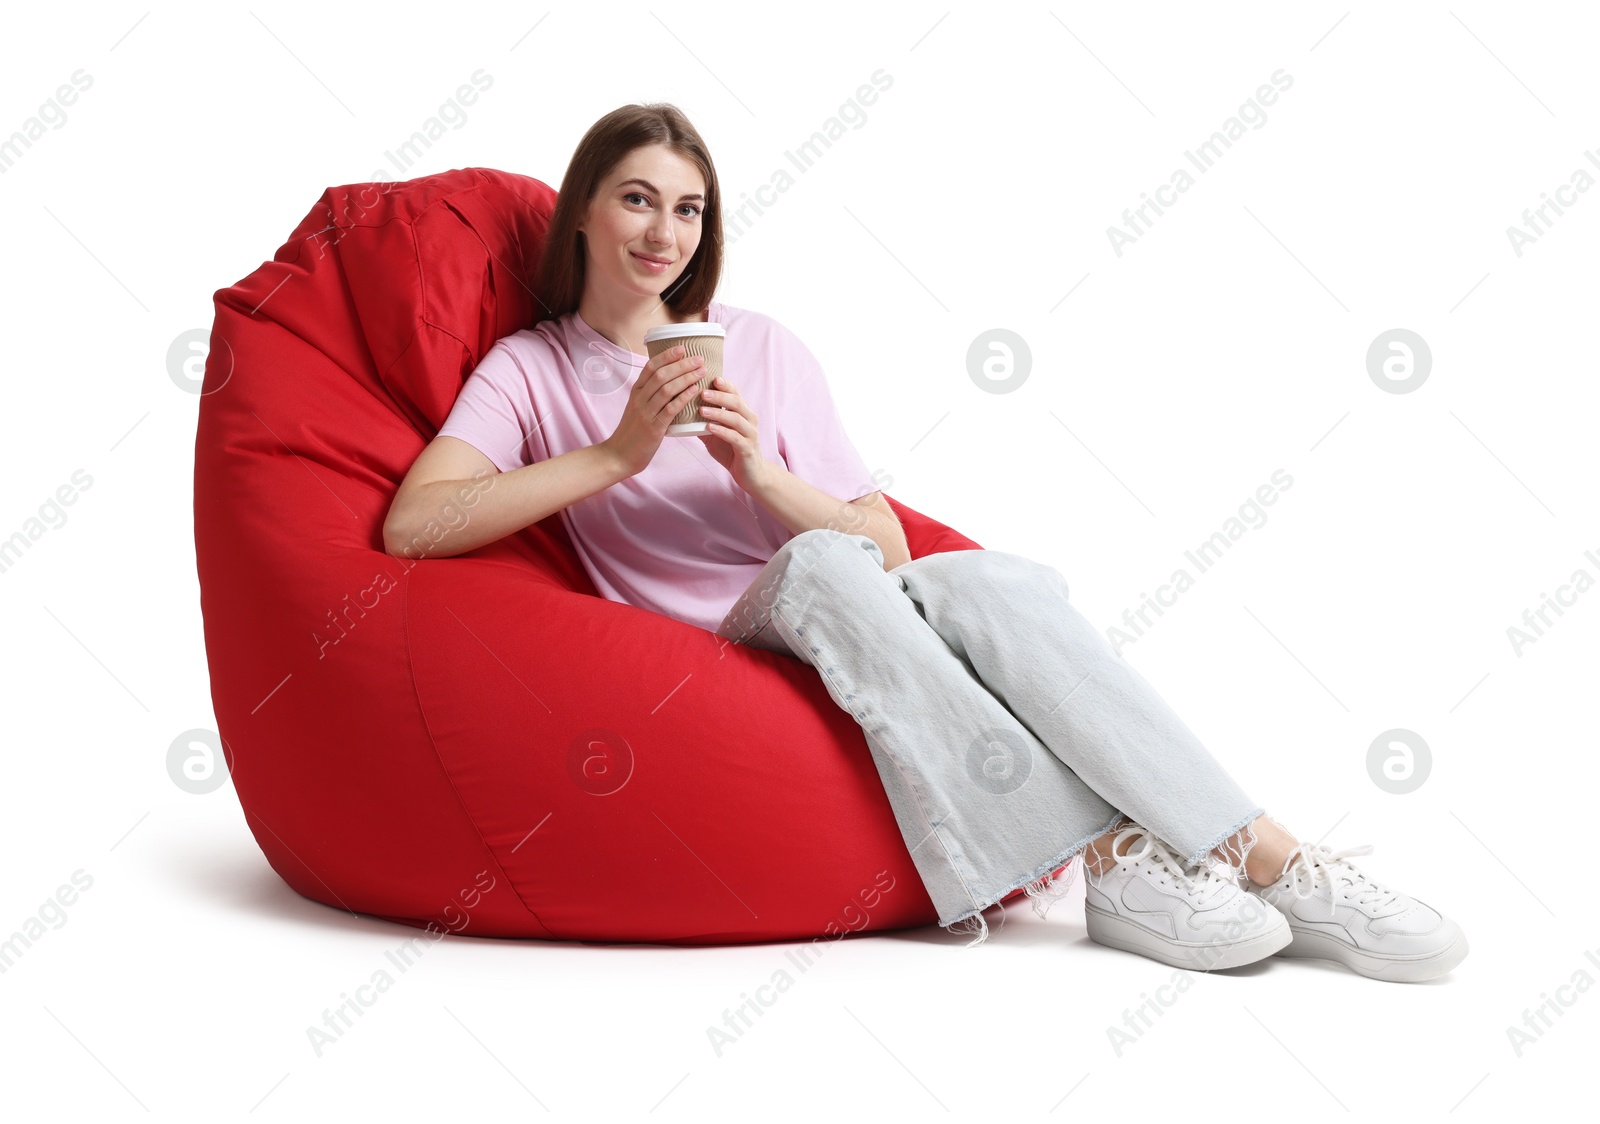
(652, 266)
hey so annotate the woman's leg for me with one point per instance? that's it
(1265, 843)
(1008, 617)
(984, 807)
(1271, 849)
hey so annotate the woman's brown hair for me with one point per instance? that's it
(609, 140)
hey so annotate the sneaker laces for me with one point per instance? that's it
(1316, 862)
(1201, 885)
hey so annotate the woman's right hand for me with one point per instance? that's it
(669, 382)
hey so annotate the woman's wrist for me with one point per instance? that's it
(766, 479)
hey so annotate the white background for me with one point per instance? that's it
(1228, 342)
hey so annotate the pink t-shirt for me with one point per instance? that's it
(679, 538)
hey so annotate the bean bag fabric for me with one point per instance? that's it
(481, 743)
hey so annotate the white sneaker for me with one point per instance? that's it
(1196, 918)
(1339, 913)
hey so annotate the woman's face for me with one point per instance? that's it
(649, 207)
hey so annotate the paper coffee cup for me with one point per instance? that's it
(698, 337)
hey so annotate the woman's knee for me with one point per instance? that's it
(1016, 574)
(826, 550)
(1037, 574)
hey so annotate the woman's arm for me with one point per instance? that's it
(454, 499)
(803, 507)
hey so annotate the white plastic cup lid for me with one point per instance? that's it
(693, 328)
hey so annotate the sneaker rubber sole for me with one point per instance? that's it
(1377, 966)
(1201, 956)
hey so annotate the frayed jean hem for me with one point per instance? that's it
(1039, 886)
(1244, 847)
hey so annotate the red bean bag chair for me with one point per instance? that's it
(482, 743)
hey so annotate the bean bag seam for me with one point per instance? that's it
(479, 182)
(427, 727)
(423, 318)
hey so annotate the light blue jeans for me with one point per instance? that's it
(1007, 731)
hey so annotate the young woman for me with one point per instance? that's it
(1010, 736)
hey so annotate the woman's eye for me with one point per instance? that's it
(636, 195)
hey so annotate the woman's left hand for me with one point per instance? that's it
(732, 438)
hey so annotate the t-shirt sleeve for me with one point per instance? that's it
(490, 413)
(811, 438)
